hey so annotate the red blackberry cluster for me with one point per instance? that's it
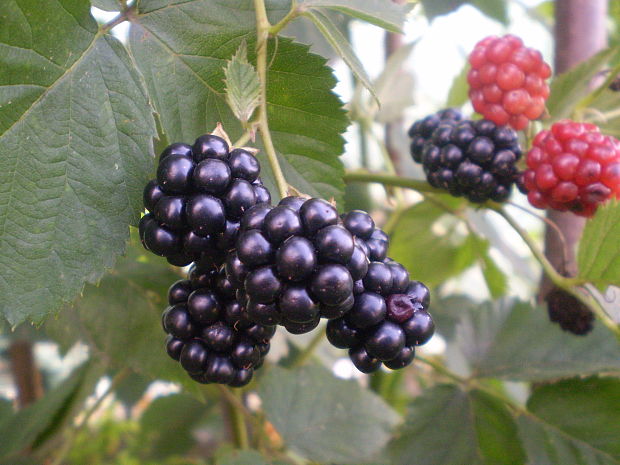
(387, 320)
(208, 330)
(298, 261)
(507, 81)
(197, 199)
(572, 167)
(475, 159)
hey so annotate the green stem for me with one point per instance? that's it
(567, 284)
(239, 427)
(262, 35)
(246, 136)
(290, 16)
(67, 444)
(391, 180)
(308, 351)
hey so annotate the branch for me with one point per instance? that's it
(262, 34)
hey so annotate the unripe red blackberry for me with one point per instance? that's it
(507, 81)
(208, 331)
(196, 202)
(474, 159)
(572, 167)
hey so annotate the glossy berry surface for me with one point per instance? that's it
(363, 361)
(386, 341)
(198, 198)
(572, 167)
(473, 159)
(507, 81)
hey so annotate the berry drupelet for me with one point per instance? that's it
(198, 198)
(209, 332)
(475, 159)
(572, 167)
(388, 319)
(299, 261)
(507, 81)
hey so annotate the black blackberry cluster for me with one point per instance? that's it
(474, 159)
(198, 198)
(299, 261)
(386, 322)
(208, 330)
(569, 312)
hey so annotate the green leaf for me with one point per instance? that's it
(167, 424)
(48, 414)
(549, 446)
(425, 240)
(121, 318)
(242, 457)
(341, 45)
(599, 247)
(567, 89)
(323, 418)
(447, 425)
(515, 341)
(106, 5)
(585, 409)
(75, 152)
(496, 9)
(185, 76)
(242, 85)
(387, 15)
(458, 94)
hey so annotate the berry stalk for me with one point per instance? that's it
(262, 34)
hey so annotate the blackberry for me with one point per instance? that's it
(385, 328)
(298, 261)
(475, 159)
(208, 330)
(197, 199)
(572, 167)
(569, 312)
(507, 81)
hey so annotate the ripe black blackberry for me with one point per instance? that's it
(569, 312)
(198, 198)
(388, 320)
(299, 261)
(208, 330)
(474, 159)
